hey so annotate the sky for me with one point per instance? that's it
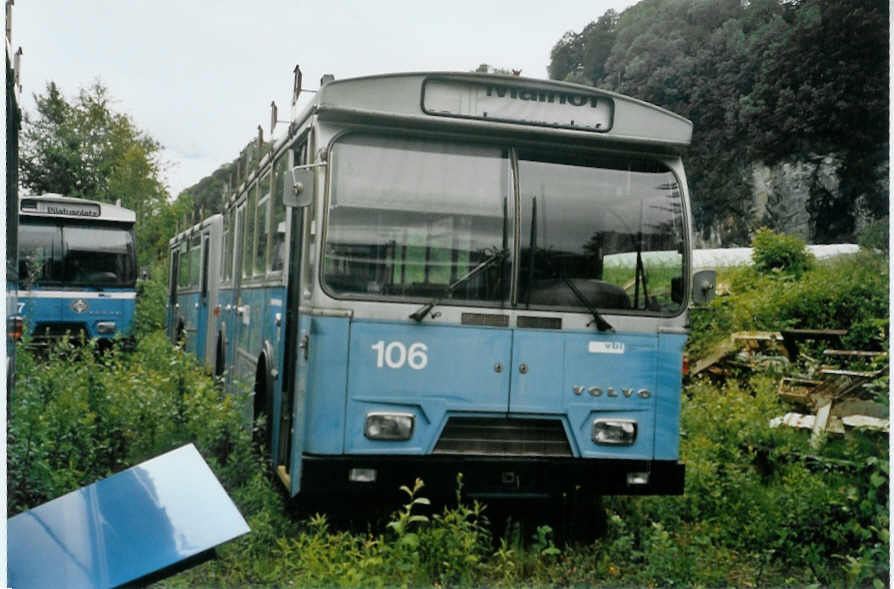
(199, 75)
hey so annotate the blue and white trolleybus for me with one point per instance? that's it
(194, 266)
(434, 273)
(77, 267)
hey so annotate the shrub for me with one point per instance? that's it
(77, 416)
(875, 236)
(149, 315)
(773, 252)
(849, 292)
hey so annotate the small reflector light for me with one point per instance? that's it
(216, 311)
(685, 369)
(614, 432)
(637, 478)
(362, 475)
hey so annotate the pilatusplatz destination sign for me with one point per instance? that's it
(70, 209)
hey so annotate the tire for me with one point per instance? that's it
(219, 359)
(262, 428)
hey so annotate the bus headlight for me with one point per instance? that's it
(614, 432)
(105, 327)
(389, 426)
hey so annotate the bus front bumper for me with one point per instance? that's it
(490, 477)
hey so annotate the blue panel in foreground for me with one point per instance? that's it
(123, 528)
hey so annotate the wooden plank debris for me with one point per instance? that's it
(834, 396)
(792, 337)
(750, 340)
(853, 353)
(831, 393)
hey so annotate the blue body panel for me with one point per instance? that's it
(324, 382)
(459, 375)
(318, 414)
(201, 324)
(82, 308)
(667, 409)
(624, 365)
(132, 524)
(574, 376)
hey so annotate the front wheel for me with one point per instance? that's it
(582, 517)
(262, 429)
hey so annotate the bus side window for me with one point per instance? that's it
(226, 252)
(206, 249)
(248, 242)
(278, 215)
(299, 158)
(183, 279)
(262, 230)
(175, 274)
(195, 255)
(238, 238)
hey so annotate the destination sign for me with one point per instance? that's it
(518, 103)
(62, 208)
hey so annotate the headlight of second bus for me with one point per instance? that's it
(106, 327)
(389, 426)
(614, 432)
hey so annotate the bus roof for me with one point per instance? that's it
(510, 102)
(514, 104)
(210, 221)
(65, 207)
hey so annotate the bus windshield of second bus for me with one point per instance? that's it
(409, 217)
(56, 253)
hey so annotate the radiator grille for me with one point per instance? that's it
(539, 322)
(487, 319)
(57, 330)
(503, 437)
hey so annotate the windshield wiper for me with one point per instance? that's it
(640, 275)
(601, 323)
(497, 255)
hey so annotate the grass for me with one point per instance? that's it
(761, 507)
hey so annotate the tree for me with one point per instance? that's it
(83, 148)
(566, 56)
(763, 81)
(598, 39)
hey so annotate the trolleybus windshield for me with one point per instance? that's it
(612, 227)
(76, 254)
(408, 217)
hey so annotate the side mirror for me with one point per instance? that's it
(703, 283)
(301, 191)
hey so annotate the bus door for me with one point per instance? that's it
(295, 354)
(172, 295)
(291, 433)
(202, 305)
(189, 300)
(238, 312)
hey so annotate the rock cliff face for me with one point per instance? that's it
(782, 192)
(787, 196)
